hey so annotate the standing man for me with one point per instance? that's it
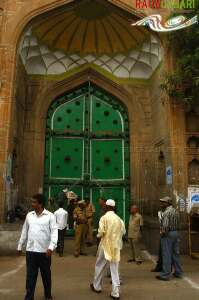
(72, 204)
(40, 233)
(61, 216)
(111, 229)
(169, 241)
(62, 196)
(80, 219)
(134, 235)
(90, 210)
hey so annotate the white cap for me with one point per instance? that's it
(65, 190)
(110, 202)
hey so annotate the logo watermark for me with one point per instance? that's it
(169, 4)
(156, 23)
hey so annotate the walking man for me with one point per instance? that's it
(111, 229)
(40, 233)
(169, 241)
(80, 219)
(134, 235)
(61, 216)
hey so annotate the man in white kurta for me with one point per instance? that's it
(111, 229)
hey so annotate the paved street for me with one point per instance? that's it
(71, 278)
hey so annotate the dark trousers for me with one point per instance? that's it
(170, 254)
(60, 242)
(34, 262)
(158, 266)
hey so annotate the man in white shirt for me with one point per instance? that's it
(61, 216)
(111, 229)
(40, 235)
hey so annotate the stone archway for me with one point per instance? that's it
(31, 104)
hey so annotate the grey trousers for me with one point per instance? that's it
(170, 254)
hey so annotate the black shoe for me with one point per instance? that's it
(162, 278)
(155, 270)
(84, 254)
(93, 289)
(116, 298)
(130, 260)
(139, 262)
(177, 276)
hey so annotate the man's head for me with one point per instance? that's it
(61, 204)
(102, 202)
(87, 200)
(165, 201)
(110, 205)
(81, 204)
(65, 190)
(38, 202)
(134, 209)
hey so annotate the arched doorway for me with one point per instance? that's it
(87, 147)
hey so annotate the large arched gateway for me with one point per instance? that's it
(56, 52)
(87, 146)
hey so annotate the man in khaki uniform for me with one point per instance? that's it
(90, 210)
(134, 235)
(80, 219)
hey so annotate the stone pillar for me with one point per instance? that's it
(7, 56)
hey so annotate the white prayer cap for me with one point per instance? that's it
(65, 190)
(110, 202)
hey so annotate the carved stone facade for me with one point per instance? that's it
(162, 134)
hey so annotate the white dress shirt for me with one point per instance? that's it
(61, 216)
(39, 232)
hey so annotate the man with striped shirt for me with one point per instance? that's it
(169, 227)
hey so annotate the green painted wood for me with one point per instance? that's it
(87, 147)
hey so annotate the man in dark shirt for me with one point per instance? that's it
(169, 227)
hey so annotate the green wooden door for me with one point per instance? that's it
(87, 147)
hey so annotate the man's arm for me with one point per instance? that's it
(66, 216)
(141, 223)
(53, 234)
(24, 235)
(101, 229)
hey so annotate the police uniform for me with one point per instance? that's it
(90, 210)
(80, 219)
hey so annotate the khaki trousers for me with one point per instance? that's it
(90, 230)
(135, 249)
(80, 232)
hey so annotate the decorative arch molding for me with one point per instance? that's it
(45, 99)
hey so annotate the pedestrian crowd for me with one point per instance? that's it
(44, 231)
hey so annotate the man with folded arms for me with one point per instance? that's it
(169, 237)
(40, 235)
(111, 229)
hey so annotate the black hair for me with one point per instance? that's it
(60, 204)
(40, 199)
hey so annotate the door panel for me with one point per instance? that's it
(69, 116)
(66, 158)
(107, 160)
(104, 117)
